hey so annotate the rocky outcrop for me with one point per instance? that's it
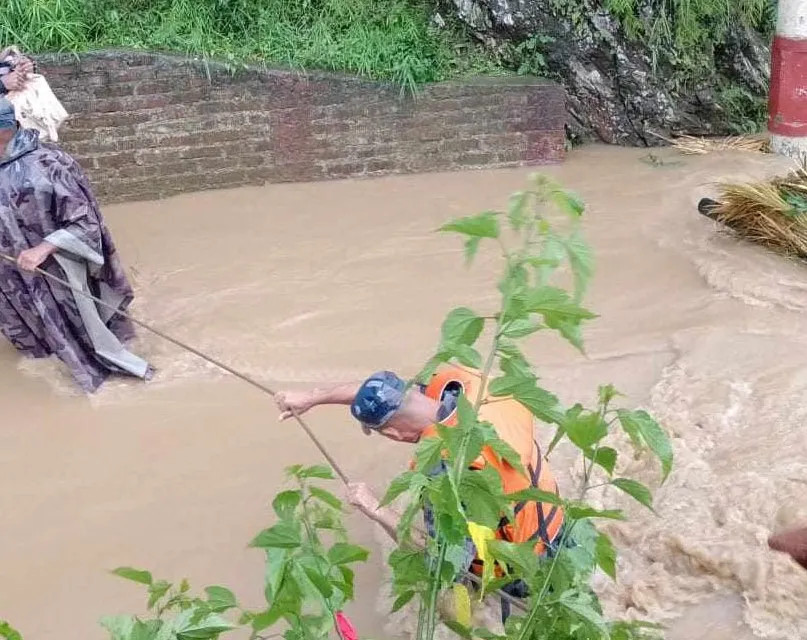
(619, 91)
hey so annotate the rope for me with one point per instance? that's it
(182, 345)
(241, 376)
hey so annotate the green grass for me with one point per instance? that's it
(381, 39)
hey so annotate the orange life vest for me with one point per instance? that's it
(513, 423)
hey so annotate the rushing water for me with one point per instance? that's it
(317, 283)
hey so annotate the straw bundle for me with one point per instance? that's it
(773, 213)
(691, 145)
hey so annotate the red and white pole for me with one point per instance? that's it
(787, 107)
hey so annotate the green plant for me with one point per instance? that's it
(308, 560)
(744, 112)
(7, 632)
(382, 39)
(308, 577)
(470, 503)
(685, 33)
(529, 58)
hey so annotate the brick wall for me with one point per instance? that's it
(147, 126)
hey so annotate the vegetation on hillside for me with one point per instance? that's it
(381, 39)
(409, 42)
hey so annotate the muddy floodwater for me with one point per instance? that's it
(318, 283)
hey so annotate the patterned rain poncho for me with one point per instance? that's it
(44, 195)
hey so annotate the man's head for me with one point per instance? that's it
(384, 405)
(8, 122)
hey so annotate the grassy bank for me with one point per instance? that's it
(382, 39)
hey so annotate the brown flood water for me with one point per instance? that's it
(316, 283)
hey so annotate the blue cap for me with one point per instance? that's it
(378, 399)
(8, 119)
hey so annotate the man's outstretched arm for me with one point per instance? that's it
(298, 402)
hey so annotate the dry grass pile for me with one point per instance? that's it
(691, 145)
(772, 213)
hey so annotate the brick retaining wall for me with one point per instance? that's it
(147, 126)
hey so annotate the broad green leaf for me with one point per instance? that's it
(284, 535)
(567, 201)
(606, 555)
(481, 493)
(515, 365)
(483, 225)
(410, 568)
(552, 253)
(346, 585)
(119, 627)
(266, 619)
(635, 490)
(504, 451)
(444, 497)
(409, 480)
(404, 528)
(428, 454)
(535, 495)
(516, 209)
(604, 457)
(8, 632)
(584, 610)
(326, 497)
(582, 551)
(581, 261)
(343, 553)
(277, 561)
(471, 248)
(467, 355)
(402, 600)
(156, 591)
(322, 583)
(639, 425)
(555, 306)
(289, 598)
(581, 511)
(209, 627)
(542, 404)
(148, 630)
(508, 385)
(586, 429)
(466, 415)
(473, 436)
(220, 598)
(286, 502)
(462, 327)
(521, 328)
(520, 557)
(317, 471)
(135, 575)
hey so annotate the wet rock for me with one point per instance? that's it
(618, 91)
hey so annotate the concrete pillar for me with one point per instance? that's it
(787, 108)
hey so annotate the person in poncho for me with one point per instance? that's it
(49, 219)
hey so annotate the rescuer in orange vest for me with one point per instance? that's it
(383, 404)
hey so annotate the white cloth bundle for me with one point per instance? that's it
(38, 108)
